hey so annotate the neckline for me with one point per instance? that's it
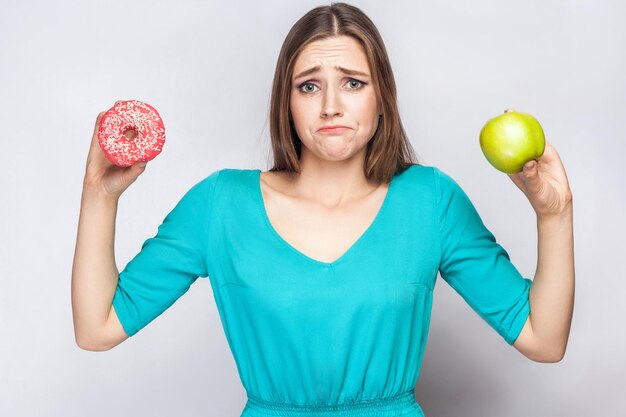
(290, 247)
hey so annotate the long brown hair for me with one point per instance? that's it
(389, 151)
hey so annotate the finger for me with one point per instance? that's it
(509, 109)
(527, 178)
(530, 173)
(140, 166)
(530, 165)
(135, 170)
(549, 153)
(94, 137)
(95, 129)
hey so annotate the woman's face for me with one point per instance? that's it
(332, 85)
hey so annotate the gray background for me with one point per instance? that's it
(207, 67)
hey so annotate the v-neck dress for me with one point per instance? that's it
(313, 338)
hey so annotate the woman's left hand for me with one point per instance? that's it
(544, 182)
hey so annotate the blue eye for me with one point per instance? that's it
(311, 87)
(304, 85)
(356, 81)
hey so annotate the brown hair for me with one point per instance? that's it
(389, 151)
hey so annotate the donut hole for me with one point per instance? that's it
(130, 133)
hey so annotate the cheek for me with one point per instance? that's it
(296, 109)
(299, 117)
(302, 113)
(365, 107)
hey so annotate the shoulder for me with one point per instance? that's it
(218, 185)
(424, 171)
(440, 180)
(425, 181)
(207, 186)
(227, 185)
(226, 176)
(426, 176)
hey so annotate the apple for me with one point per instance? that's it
(511, 139)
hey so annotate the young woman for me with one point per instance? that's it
(323, 267)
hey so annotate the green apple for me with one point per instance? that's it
(512, 139)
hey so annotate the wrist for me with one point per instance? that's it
(95, 193)
(563, 215)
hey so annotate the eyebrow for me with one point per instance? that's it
(317, 68)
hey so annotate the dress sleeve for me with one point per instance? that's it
(169, 262)
(476, 266)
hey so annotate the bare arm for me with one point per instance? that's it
(94, 272)
(552, 291)
(545, 334)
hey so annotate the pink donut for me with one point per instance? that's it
(125, 150)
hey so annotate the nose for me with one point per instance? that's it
(331, 104)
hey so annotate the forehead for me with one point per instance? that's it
(332, 51)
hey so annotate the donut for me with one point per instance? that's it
(131, 131)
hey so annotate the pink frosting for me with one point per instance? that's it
(126, 115)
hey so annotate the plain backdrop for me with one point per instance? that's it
(208, 67)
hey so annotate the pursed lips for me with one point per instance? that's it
(333, 128)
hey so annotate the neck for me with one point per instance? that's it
(332, 183)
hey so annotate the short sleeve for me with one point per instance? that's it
(476, 266)
(169, 262)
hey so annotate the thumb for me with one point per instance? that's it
(530, 172)
(135, 171)
(139, 167)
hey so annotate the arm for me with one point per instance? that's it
(544, 337)
(94, 273)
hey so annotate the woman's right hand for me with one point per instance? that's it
(103, 176)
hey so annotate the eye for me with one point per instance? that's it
(308, 87)
(352, 81)
(303, 87)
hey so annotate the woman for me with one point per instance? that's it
(323, 267)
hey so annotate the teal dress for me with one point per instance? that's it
(312, 338)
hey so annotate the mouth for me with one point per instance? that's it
(334, 129)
